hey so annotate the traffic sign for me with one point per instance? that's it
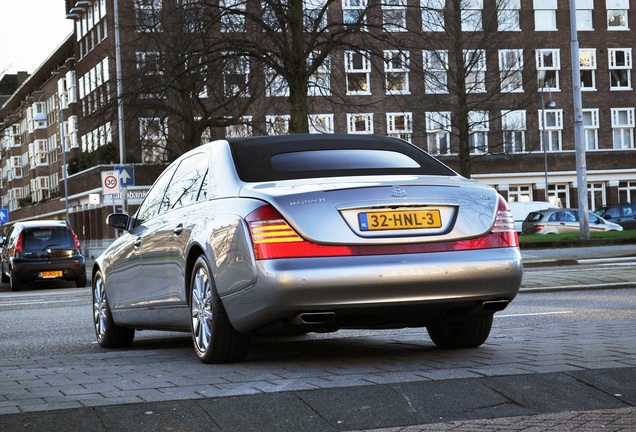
(4, 216)
(126, 175)
(110, 183)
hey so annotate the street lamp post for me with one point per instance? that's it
(549, 104)
(41, 116)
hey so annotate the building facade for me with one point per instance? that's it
(485, 85)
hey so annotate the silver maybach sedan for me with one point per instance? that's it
(302, 233)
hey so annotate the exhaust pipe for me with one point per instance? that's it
(314, 318)
(494, 305)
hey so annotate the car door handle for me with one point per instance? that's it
(178, 230)
(137, 242)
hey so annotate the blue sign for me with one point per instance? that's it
(4, 216)
(126, 175)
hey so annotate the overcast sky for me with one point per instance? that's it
(30, 30)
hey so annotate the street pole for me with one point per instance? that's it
(581, 164)
(120, 105)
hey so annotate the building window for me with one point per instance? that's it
(587, 58)
(545, 15)
(520, 193)
(513, 124)
(627, 191)
(236, 73)
(590, 128)
(321, 123)
(320, 81)
(617, 14)
(596, 195)
(435, 71)
(354, 13)
(275, 84)
(548, 67)
(471, 14)
(438, 126)
(623, 128)
(153, 134)
(551, 130)
(584, 10)
(559, 194)
(475, 64)
(432, 15)
(315, 15)
(360, 123)
(277, 124)
(241, 129)
(478, 133)
(400, 125)
(270, 21)
(358, 71)
(396, 68)
(148, 15)
(508, 15)
(620, 68)
(511, 70)
(193, 16)
(232, 15)
(394, 15)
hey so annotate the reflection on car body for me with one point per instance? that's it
(267, 235)
(563, 221)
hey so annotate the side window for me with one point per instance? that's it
(612, 212)
(186, 183)
(150, 207)
(553, 217)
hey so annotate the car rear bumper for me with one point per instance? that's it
(367, 285)
(31, 270)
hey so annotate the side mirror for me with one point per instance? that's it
(118, 220)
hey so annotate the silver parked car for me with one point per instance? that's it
(301, 233)
(563, 221)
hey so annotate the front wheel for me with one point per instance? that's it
(215, 340)
(109, 334)
(469, 333)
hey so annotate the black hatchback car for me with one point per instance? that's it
(623, 214)
(42, 250)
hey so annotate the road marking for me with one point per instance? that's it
(534, 314)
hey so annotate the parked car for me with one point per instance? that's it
(42, 250)
(562, 221)
(521, 209)
(622, 214)
(301, 233)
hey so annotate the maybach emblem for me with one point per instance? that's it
(397, 191)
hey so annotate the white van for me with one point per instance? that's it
(521, 209)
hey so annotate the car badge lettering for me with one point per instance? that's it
(398, 192)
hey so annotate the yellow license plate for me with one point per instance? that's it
(50, 274)
(399, 220)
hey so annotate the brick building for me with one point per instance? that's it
(516, 54)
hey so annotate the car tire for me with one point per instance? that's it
(3, 276)
(16, 284)
(469, 333)
(80, 282)
(108, 334)
(214, 338)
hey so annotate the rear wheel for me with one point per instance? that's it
(469, 333)
(215, 340)
(80, 282)
(3, 275)
(109, 334)
(16, 284)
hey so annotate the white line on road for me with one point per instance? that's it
(534, 314)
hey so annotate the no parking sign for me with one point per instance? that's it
(110, 183)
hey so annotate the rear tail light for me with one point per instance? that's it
(18, 244)
(75, 240)
(273, 237)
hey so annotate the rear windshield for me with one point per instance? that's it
(534, 217)
(39, 239)
(302, 157)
